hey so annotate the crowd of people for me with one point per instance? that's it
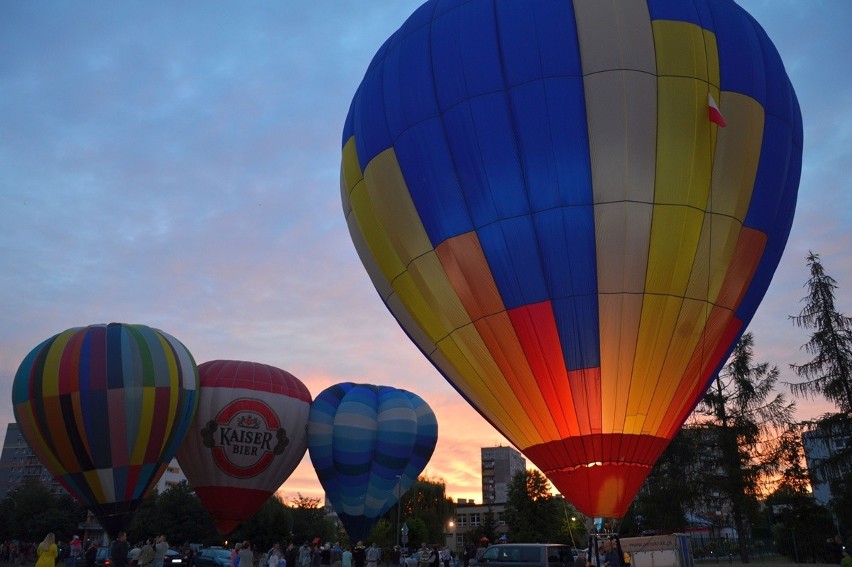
(76, 553)
(50, 549)
(334, 555)
(152, 551)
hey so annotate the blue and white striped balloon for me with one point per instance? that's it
(368, 444)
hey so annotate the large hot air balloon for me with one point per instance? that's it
(104, 408)
(249, 435)
(545, 199)
(368, 444)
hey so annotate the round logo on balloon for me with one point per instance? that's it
(244, 438)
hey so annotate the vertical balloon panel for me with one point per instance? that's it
(104, 408)
(548, 206)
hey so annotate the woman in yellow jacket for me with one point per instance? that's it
(47, 552)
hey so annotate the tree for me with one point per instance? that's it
(183, 518)
(671, 488)
(269, 525)
(487, 528)
(829, 372)
(309, 520)
(428, 502)
(532, 513)
(31, 511)
(745, 417)
(799, 525)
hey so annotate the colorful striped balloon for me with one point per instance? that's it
(368, 444)
(104, 408)
(544, 198)
(249, 435)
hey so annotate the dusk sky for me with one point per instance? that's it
(176, 164)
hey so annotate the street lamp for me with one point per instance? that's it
(398, 504)
(452, 534)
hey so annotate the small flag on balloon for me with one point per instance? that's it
(715, 115)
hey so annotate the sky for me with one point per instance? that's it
(176, 164)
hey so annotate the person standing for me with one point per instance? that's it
(246, 555)
(305, 555)
(373, 555)
(425, 557)
(47, 551)
(118, 551)
(274, 556)
(359, 555)
(346, 558)
(75, 550)
(146, 556)
(160, 551)
(91, 554)
(291, 555)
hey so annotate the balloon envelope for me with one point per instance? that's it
(248, 436)
(543, 197)
(104, 408)
(368, 444)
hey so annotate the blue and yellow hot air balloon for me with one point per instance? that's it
(368, 444)
(104, 408)
(545, 200)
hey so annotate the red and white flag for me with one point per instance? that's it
(715, 115)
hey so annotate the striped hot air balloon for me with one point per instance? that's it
(104, 408)
(368, 444)
(544, 199)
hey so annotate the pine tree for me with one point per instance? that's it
(746, 418)
(829, 372)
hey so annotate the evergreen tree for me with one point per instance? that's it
(829, 372)
(746, 418)
(532, 513)
(672, 488)
(428, 502)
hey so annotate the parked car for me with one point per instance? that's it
(175, 558)
(213, 557)
(412, 560)
(526, 555)
(103, 557)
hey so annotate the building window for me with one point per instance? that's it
(461, 520)
(474, 519)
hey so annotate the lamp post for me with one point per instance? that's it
(451, 524)
(571, 531)
(398, 504)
